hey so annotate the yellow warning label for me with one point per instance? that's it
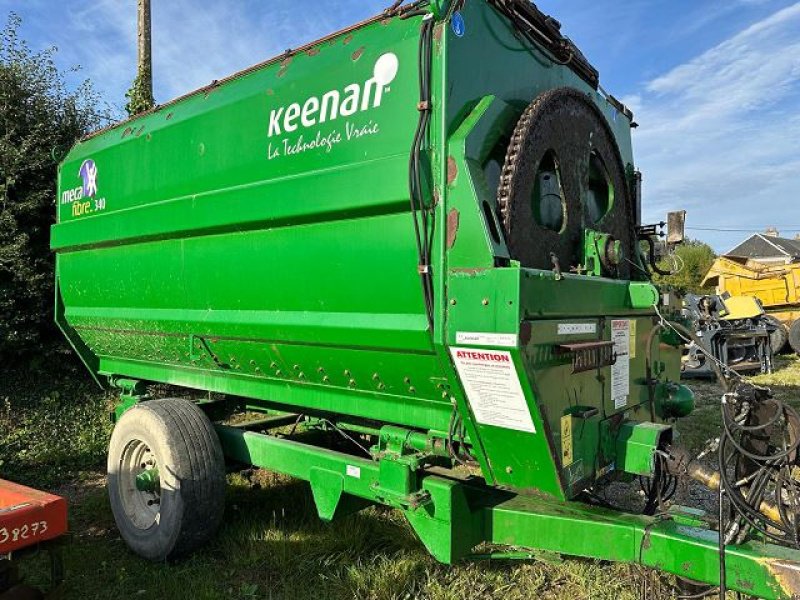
(632, 346)
(566, 440)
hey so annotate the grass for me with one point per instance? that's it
(273, 546)
(53, 433)
(52, 429)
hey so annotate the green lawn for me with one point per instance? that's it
(53, 434)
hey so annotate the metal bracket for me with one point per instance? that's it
(133, 392)
(399, 463)
(588, 356)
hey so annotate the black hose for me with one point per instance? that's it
(651, 258)
(732, 451)
(419, 210)
(728, 424)
(723, 587)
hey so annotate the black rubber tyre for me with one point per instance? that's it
(184, 508)
(779, 337)
(794, 336)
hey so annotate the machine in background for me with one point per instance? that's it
(776, 284)
(733, 331)
(31, 521)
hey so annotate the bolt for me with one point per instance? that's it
(296, 367)
(412, 390)
(326, 379)
(444, 394)
(301, 375)
(509, 470)
(352, 382)
(485, 302)
(347, 372)
(375, 377)
(278, 373)
(252, 362)
(453, 301)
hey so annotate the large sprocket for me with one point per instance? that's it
(563, 173)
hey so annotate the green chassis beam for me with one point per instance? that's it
(452, 516)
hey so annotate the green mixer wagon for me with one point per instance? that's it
(413, 247)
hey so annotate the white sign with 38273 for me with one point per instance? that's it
(23, 532)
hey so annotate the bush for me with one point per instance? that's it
(51, 428)
(40, 118)
(694, 259)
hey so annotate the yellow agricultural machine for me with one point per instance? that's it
(777, 287)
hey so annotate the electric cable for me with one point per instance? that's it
(751, 230)
(688, 337)
(346, 436)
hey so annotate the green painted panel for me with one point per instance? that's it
(255, 238)
(476, 69)
(246, 130)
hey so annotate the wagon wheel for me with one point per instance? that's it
(779, 336)
(166, 478)
(794, 336)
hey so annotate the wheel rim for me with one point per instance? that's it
(138, 484)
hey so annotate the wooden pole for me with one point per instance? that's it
(145, 51)
(140, 96)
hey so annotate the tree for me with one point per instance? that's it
(691, 260)
(39, 118)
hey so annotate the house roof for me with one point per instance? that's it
(760, 246)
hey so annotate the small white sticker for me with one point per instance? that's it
(476, 338)
(353, 471)
(575, 328)
(620, 370)
(493, 388)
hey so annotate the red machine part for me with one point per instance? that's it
(28, 516)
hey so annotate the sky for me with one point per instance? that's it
(714, 84)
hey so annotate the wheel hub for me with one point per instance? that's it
(148, 481)
(139, 484)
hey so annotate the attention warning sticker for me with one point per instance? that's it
(493, 388)
(620, 370)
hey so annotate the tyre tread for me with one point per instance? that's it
(794, 336)
(200, 468)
